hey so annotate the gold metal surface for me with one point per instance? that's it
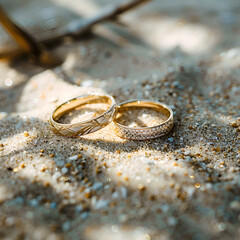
(144, 133)
(83, 127)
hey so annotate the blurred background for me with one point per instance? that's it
(159, 35)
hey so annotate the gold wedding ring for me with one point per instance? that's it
(117, 114)
(146, 132)
(86, 126)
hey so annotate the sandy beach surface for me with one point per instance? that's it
(185, 185)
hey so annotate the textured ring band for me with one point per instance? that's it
(83, 127)
(143, 133)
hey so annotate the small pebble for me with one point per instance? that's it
(84, 215)
(22, 165)
(33, 202)
(73, 158)
(165, 208)
(123, 218)
(66, 226)
(87, 194)
(53, 205)
(101, 204)
(60, 163)
(79, 209)
(123, 192)
(197, 185)
(97, 186)
(222, 227)
(125, 178)
(141, 187)
(190, 191)
(10, 221)
(235, 205)
(115, 195)
(26, 134)
(171, 221)
(64, 170)
(56, 175)
(68, 165)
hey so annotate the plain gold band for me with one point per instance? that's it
(144, 133)
(84, 127)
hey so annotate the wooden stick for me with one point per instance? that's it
(81, 26)
(28, 43)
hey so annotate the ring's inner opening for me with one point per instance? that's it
(82, 109)
(142, 114)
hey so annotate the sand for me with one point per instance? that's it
(185, 185)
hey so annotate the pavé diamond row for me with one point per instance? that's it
(144, 133)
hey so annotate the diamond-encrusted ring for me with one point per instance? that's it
(83, 127)
(145, 132)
